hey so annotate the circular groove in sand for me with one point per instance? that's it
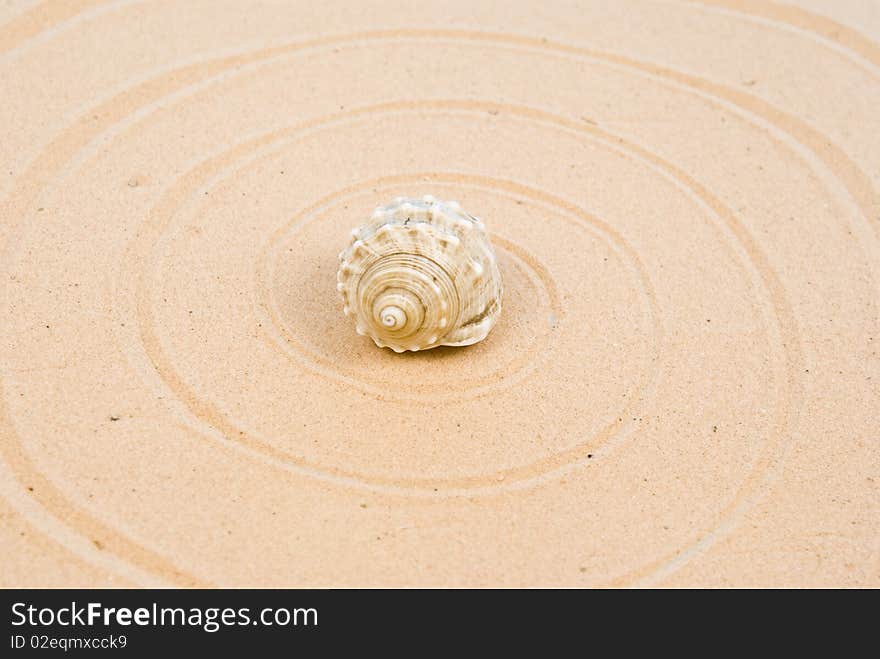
(192, 182)
(299, 347)
(683, 180)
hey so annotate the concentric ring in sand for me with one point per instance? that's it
(280, 319)
(153, 239)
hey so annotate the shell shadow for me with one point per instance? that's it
(432, 355)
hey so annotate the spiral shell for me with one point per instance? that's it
(420, 274)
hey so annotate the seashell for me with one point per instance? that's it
(420, 274)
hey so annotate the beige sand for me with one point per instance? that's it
(683, 389)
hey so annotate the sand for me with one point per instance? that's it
(683, 389)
